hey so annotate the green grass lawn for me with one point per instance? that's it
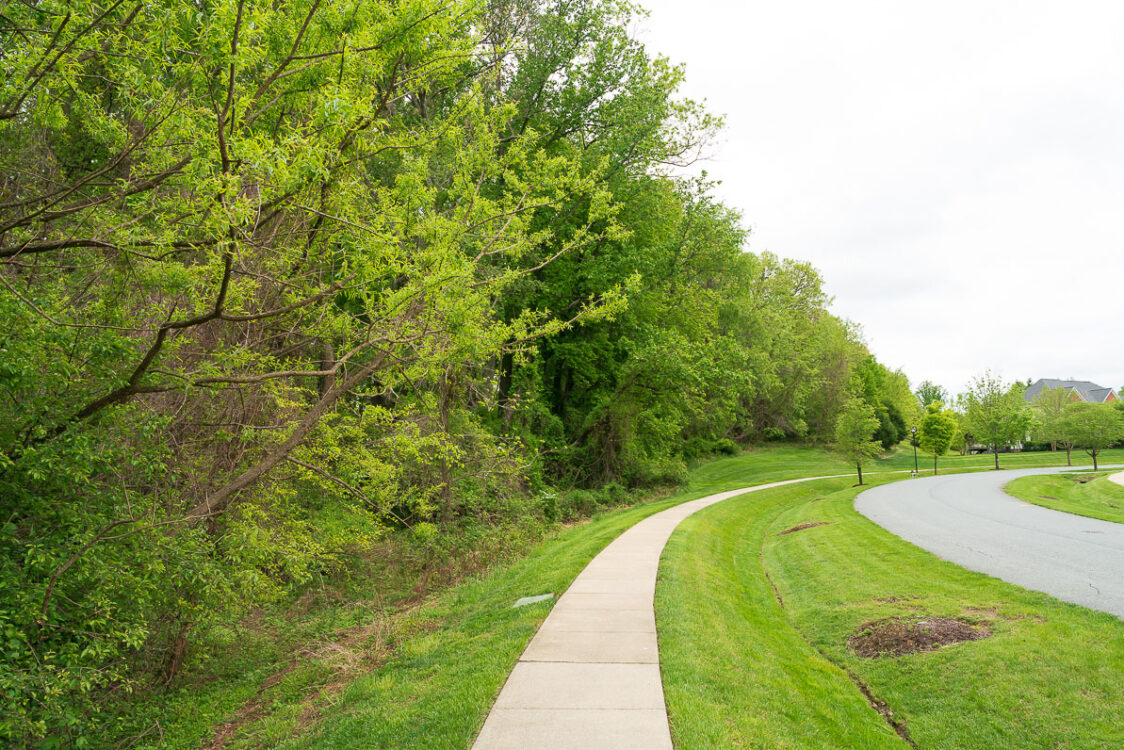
(1092, 495)
(426, 677)
(439, 687)
(743, 670)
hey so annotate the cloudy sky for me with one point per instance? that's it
(955, 170)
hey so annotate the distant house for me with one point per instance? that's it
(1080, 390)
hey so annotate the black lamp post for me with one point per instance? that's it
(914, 442)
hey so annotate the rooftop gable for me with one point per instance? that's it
(1085, 389)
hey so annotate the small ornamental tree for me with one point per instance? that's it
(1094, 427)
(997, 414)
(854, 433)
(937, 431)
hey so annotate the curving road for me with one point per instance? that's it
(968, 519)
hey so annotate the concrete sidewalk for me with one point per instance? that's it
(590, 678)
(1118, 477)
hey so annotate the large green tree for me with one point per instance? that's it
(239, 237)
(280, 278)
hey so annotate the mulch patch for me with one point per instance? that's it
(803, 526)
(898, 636)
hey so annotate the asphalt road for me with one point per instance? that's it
(968, 519)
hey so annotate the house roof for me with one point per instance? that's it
(1084, 389)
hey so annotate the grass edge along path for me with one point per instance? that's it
(753, 626)
(1097, 497)
(440, 685)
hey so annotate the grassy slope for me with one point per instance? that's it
(427, 678)
(743, 671)
(439, 689)
(1099, 498)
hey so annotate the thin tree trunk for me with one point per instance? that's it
(175, 659)
(995, 449)
(1068, 457)
(859, 465)
(217, 501)
(327, 362)
(934, 464)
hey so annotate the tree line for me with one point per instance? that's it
(993, 415)
(280, 279)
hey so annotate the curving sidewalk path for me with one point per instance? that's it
(590, 678)
(1118, 477)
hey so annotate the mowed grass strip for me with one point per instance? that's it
(439, 686)
(1092, 495)
(741, 670)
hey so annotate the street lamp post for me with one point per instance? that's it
(914, 442)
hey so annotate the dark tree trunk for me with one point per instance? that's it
(995, 450)
(503, 391)
(860, 468)
(1068, 457)
(175, 657)
(934, 464)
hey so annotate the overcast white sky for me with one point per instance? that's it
(955, 170)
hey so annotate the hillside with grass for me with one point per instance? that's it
(311, 302)
(331, 328)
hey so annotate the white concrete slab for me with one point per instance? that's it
(603, 620)
(567, 729)
(588, 686)
(592, 647)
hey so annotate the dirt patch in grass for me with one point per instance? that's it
(346, 655)
(898, 636)
(1047, 497)
(801, 527)
(984, 613)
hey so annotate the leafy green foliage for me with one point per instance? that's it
(1094, 427)
(853, 431)
(938, 428)
(279, 279)
(996, 414)
(930, 393)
